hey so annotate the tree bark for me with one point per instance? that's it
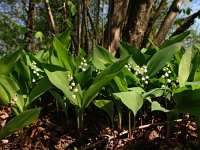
(188, 22)
(28, 37)
(78, 27)
(152, 20)
(102, 43)
(167, 23)
(113, 32)
(85, 24)
(50, 16)
(137, 23)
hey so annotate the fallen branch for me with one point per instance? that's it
(109, 138)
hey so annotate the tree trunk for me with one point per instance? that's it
(96, 21)
(28, 37)
(167, 23)
(78, 27)
(137, 23)
(113, 32)
(50, 16)
(152, 20)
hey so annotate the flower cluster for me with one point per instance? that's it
(141, 71)
(167, 76)
(72, 85)
(97, 71)
(128, 66)
(83, 65)
(36, 71)
(167, 73)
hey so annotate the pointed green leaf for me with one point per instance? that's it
(120, 84)
(133, 100)
(65, 38)
(156, 106)
(39, 35)
(19, 122)
(185, 67)
(127, 49)
(105, 105)
(102, 79)
(8, 61)
(72, 8)
(188, 100)
(40, 88)
(65, 57)
(84, 77)
(59, 77)
(9, 86)
(175, 39)
(101, 57)
(159, 59)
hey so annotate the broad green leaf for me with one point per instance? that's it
(127, 49)
(8, 61)
(65, 57)
(11, 88)
(193, 83)
(133, 100)
(65, 38)
(102, 79)
(120, 84)
(22, 70)
(159, 59)
(194, 65)
(175, 39)
(101, 57)
(137, 89)
(131, 78)
(19, 122)
(40, 88)
(39, 35)
(187, 100)
(72, 8)
(185, 67)
(84, 77)
(156, 106)
(4, 97)
(105, 105)
(59, 77)
(154, 92)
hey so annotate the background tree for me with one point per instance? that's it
(104, 22)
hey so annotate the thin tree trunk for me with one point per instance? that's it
(102, 23)
(78, 25)
(28, 37)
(113, 32)
(85, 24)
(96, 22)
(167, 23)
(137, 23)
(188, 22)
(152, 20)
(50, 16)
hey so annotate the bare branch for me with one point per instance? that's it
(188, 22)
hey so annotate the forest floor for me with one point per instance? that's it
(53, 131)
